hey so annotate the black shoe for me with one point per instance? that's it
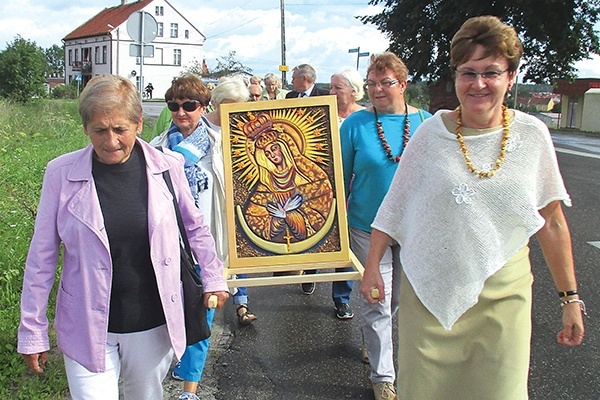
(343, 311)
(308, 288)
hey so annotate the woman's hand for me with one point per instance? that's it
(372, 287)
(371, 282)
(573, 330)
(35, 361)
(221, 299)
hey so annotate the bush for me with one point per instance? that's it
(63, 91)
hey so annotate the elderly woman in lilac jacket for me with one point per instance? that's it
(119, 308)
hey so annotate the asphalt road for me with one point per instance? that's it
(298, 350)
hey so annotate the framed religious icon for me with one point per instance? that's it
(284, 187)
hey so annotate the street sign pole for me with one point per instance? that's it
(141, 51)
(357, 51)
(142, 32)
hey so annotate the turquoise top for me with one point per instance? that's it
(365, 163)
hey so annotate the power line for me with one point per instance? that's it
(239, 26)
(228, 14)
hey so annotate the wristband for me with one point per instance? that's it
(567, 293)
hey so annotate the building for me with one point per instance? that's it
(580, 104)
(102, 45)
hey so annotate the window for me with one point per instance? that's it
(174, 30)
(160, 29)
(97, 59)
(70, 57)
(159, 10)
(104, 54)
(186, 34)
(177, 57)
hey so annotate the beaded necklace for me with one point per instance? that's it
(503, 145)
(381, 134)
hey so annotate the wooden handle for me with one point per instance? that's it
(375, 293)
(213, 301)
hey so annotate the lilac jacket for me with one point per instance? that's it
(69, 214)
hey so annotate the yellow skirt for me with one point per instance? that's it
(485, 356)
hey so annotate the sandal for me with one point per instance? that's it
(244, 315)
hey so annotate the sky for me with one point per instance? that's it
(317, 32)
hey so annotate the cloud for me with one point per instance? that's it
(589, 68)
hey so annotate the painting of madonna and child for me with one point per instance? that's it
(284, 185)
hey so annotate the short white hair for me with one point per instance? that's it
(230, 88)
(354, 80)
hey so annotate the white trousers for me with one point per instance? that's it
(376, 321)
(141, 358)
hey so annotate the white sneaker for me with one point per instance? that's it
(384, 391)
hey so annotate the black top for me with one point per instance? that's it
(123, 193)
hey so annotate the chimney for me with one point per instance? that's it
(123, 2)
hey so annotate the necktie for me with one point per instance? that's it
(303, 94)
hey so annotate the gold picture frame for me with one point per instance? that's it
(285, 201)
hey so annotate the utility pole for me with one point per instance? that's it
(283, 67)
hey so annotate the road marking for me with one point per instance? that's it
(577, 153)
(595, 244)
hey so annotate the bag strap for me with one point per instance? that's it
(182, 235)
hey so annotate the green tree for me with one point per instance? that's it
(55, 55)
(23, 68)
(555, 33)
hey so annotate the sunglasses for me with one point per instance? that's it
(189, 106)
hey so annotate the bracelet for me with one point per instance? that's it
(581, 304)
(567, 293)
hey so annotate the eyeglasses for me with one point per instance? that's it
(189, 106)
(471, 76)
(386, 83)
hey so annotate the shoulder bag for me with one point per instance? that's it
(196, 326)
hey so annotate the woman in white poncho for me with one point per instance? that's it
(473, 186)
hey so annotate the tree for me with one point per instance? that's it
(23, 68)
(228, 65)
(56, 59)
(555, 33)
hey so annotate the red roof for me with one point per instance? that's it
(98, 25)
(577, 86)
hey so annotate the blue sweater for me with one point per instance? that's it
(365, 163)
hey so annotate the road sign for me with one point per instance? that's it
(365, 54)
(78, 77)
(354, 50)
(134, 50)
(284, 68)
(142, 27)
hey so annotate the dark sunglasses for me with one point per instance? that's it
(189, 106)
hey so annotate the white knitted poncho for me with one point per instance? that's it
(456, 229)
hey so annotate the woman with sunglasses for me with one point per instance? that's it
(189, 135)
(372, 142)
(473, 186)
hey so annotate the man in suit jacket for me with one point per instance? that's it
(303, 80)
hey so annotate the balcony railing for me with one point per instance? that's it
(84, 66)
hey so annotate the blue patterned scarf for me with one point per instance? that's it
(193, 148)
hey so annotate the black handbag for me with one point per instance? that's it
(196, 326)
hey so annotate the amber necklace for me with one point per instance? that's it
(463, 147)
(381, 134)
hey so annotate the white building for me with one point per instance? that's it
(102, 45)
